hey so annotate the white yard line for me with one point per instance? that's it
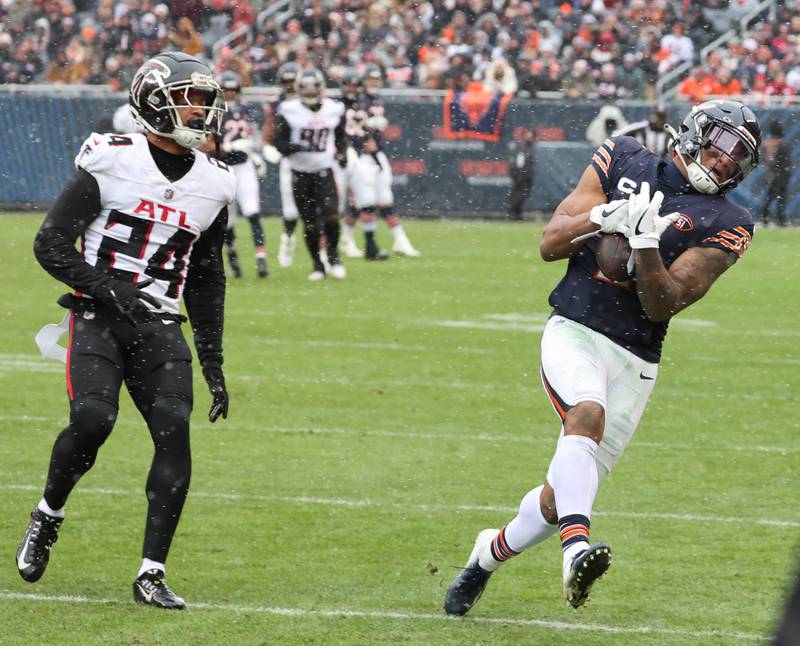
(493, 438)
(353, 613)
(372, 346)
(425, 507)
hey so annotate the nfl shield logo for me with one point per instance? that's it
(169, 194)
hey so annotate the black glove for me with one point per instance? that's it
(216, 384)
(128, 300)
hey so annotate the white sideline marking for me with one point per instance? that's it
(358, 504)
(496, 438)
(509, 326)
(350, 613)
(373, 346)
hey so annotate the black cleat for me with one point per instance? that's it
(150, 589)
(33, 552)
(469, 585)
(585, 569)
(377, 254)
(233, 261)
(261, 267)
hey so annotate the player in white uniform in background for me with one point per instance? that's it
(310, 131)
(371, 178)
(237, 146)
(150, 213)
(287, 78)
(122, 121)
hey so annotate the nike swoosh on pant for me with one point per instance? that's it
(644, 376)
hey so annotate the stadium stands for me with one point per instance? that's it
(605, 49)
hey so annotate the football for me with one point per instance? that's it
(613, 252)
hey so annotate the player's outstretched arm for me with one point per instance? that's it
(663, 293)
(571, 218)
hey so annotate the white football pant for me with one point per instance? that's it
(579, 364)
(247, 191)
(288, 207)
(372, 182)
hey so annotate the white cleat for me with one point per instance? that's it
(583, 571)
(350, 248)
(403, 246)
(286, 250)
(316, 276)
(338, 272)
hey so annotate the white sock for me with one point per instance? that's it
(397, 231)
(147, 565)
(347, 230)
(573, 475)
(55, 513)
(571, 551)
(529, 527)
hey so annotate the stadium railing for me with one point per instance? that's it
(667, 85)
(44, 127)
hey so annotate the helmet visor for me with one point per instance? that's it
(727, 155)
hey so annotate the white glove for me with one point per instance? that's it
(376, 123)
(239, 145)
(612, 217)
(645, 225)
(352, 158)
(271, 154)
(259, 163)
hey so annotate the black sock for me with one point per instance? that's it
(289, 226)
(370, 243)
(257, 230)
(332, 231)
(312, 236)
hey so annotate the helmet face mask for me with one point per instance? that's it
(373, 81)
(231, 84)
(309, 88)
(287, 77)
(166, 88)
(720, 139)
(351, 84)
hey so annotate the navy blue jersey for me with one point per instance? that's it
(240, 122)
(358, 112)
(585, 295)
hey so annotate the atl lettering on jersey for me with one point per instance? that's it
(147, 225)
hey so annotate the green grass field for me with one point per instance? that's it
(377, 424)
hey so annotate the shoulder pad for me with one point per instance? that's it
(227, 178)
(97, 151)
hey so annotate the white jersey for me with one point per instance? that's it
(317, 129)
(147, 225)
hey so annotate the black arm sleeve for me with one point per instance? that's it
(204, 294)
(340, 137)
(67, 220)
(283, 132)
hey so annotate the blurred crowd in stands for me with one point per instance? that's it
(606, 49)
